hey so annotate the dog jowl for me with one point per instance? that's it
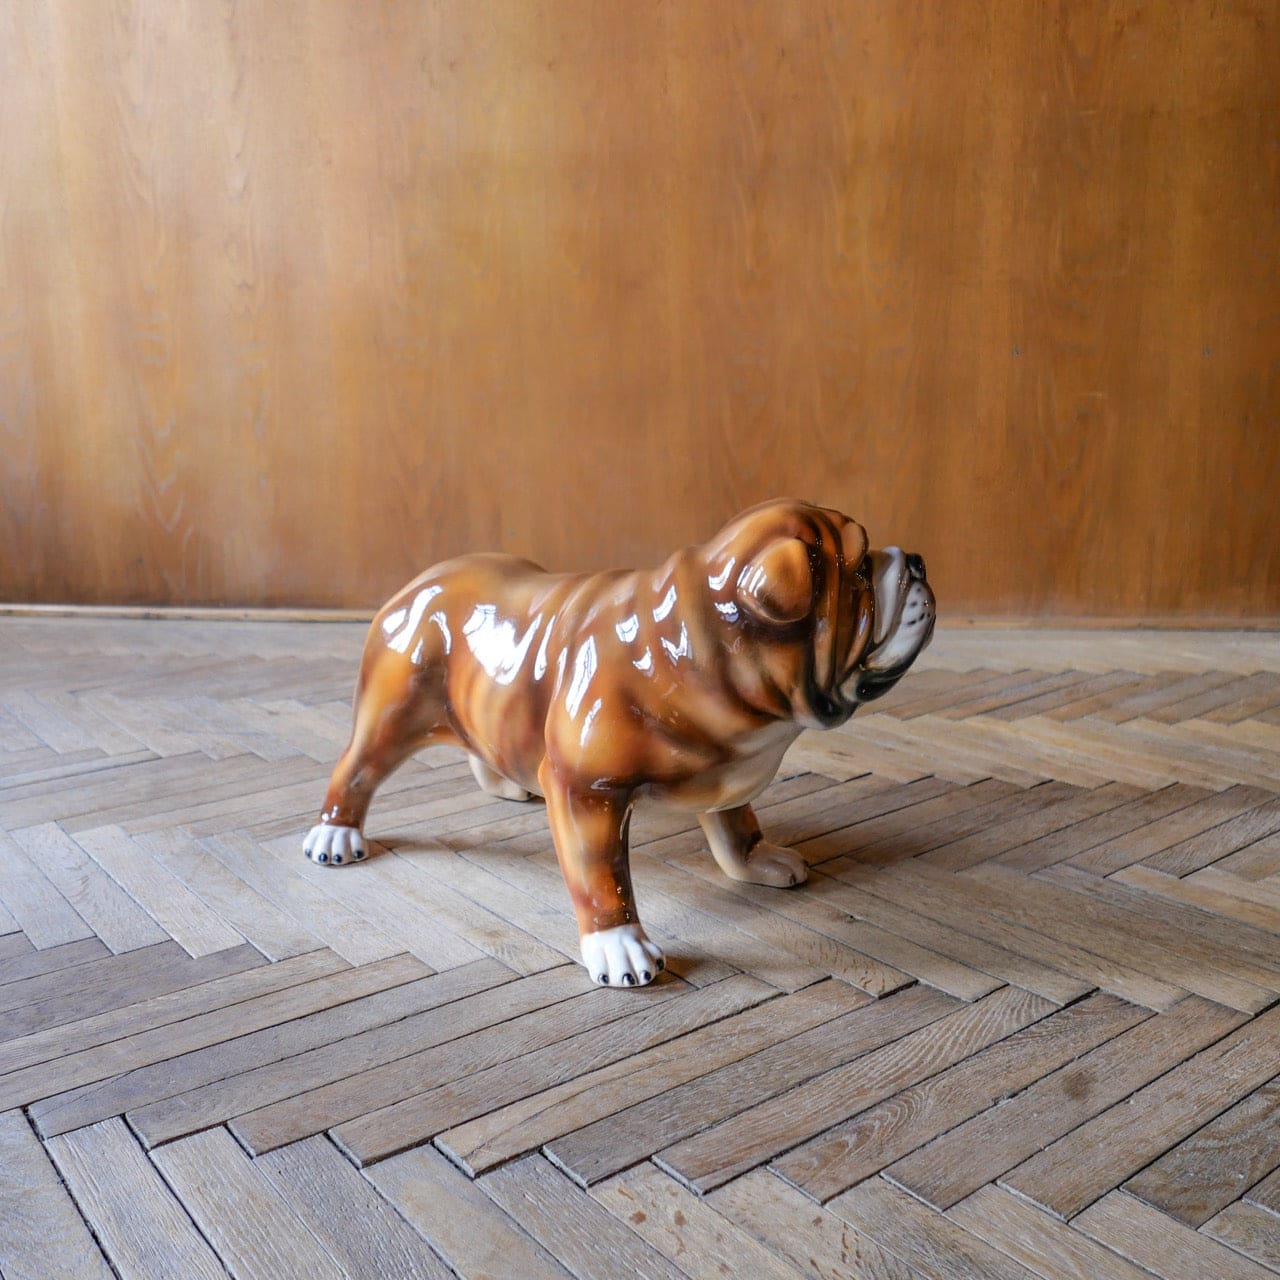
(682, 685)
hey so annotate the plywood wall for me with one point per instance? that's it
(299, 296)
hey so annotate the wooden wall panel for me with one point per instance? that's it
(297, 297)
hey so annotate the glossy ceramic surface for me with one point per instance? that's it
(683, 685)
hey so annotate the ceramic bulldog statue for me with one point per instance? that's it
(683, 685)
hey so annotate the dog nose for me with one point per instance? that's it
(915, 567)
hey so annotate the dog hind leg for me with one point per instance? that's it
(492, 782)
(743, 854)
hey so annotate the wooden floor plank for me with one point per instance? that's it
(327, 1194)
(1165, 1247)
(14, 945)
(1060, 912)
(135, 1216)
(929, 1241)
(1267, 1193)
(219, 985)
(524, 1126)
(34, 902)
(421, 1116)
(1079, 837)
(240, 1212)
(1042, 869)
(1217, 1164)
(816, 1242)
(714, 1155)
(866, 1144)
(586, 1238)
(398, 990)
(684, 1227)
(1001, 837)
(1172, 829)
(276, 933)
(288, 991)
(355, 939)
(69, 995)
(1195, 893)
(1249, 1229)
(961, 1160)
(193, 924)
(977, 953)
(1208, 846)
(42, 1236)
(961, 904)
(99, 901)
(26, 962)
(1084, 1165)
(461, 1223)
(285, 1101)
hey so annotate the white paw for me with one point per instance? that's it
(332, 846)
(771, 864)
(622, 957)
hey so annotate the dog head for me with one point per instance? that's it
(821, 623)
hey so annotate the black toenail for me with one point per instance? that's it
(322, 857)
(358, 854)
(628, 980)
(646, 976)
(662, 964)
(337, 857)
(603, 979)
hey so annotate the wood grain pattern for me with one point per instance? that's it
(1167, 1248)
(138, 1219)
(459, 1220)
(241, 1213)
(1022, 1032)
(459, 279)
(41, 1234)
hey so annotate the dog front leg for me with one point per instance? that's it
(590, 834)
(743, 854)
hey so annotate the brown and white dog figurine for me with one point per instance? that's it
(683, 684)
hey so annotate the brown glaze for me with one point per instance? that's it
(683, 684)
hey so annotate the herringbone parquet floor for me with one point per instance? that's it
(1023, 1021)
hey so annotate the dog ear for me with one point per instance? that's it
(777, 585)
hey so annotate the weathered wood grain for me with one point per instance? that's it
(42, 1236)
(958, 1162)
(240, 1212)
(292, 1095)
(137, 1218)
(234, 1009)
(1081, 1167)
(459, 1220)
(1165, 1247)
(929, 1241)
(685, 1228)
(818, 1243)
(296, 1023)
(1038, 1240)
(423, 1115)
(571, 1226)
(326, 1193)
(753, 1135)
(524, 1126)
(1249, 1229)
(1218, 1163)
(862, 1146)
(98, 900)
